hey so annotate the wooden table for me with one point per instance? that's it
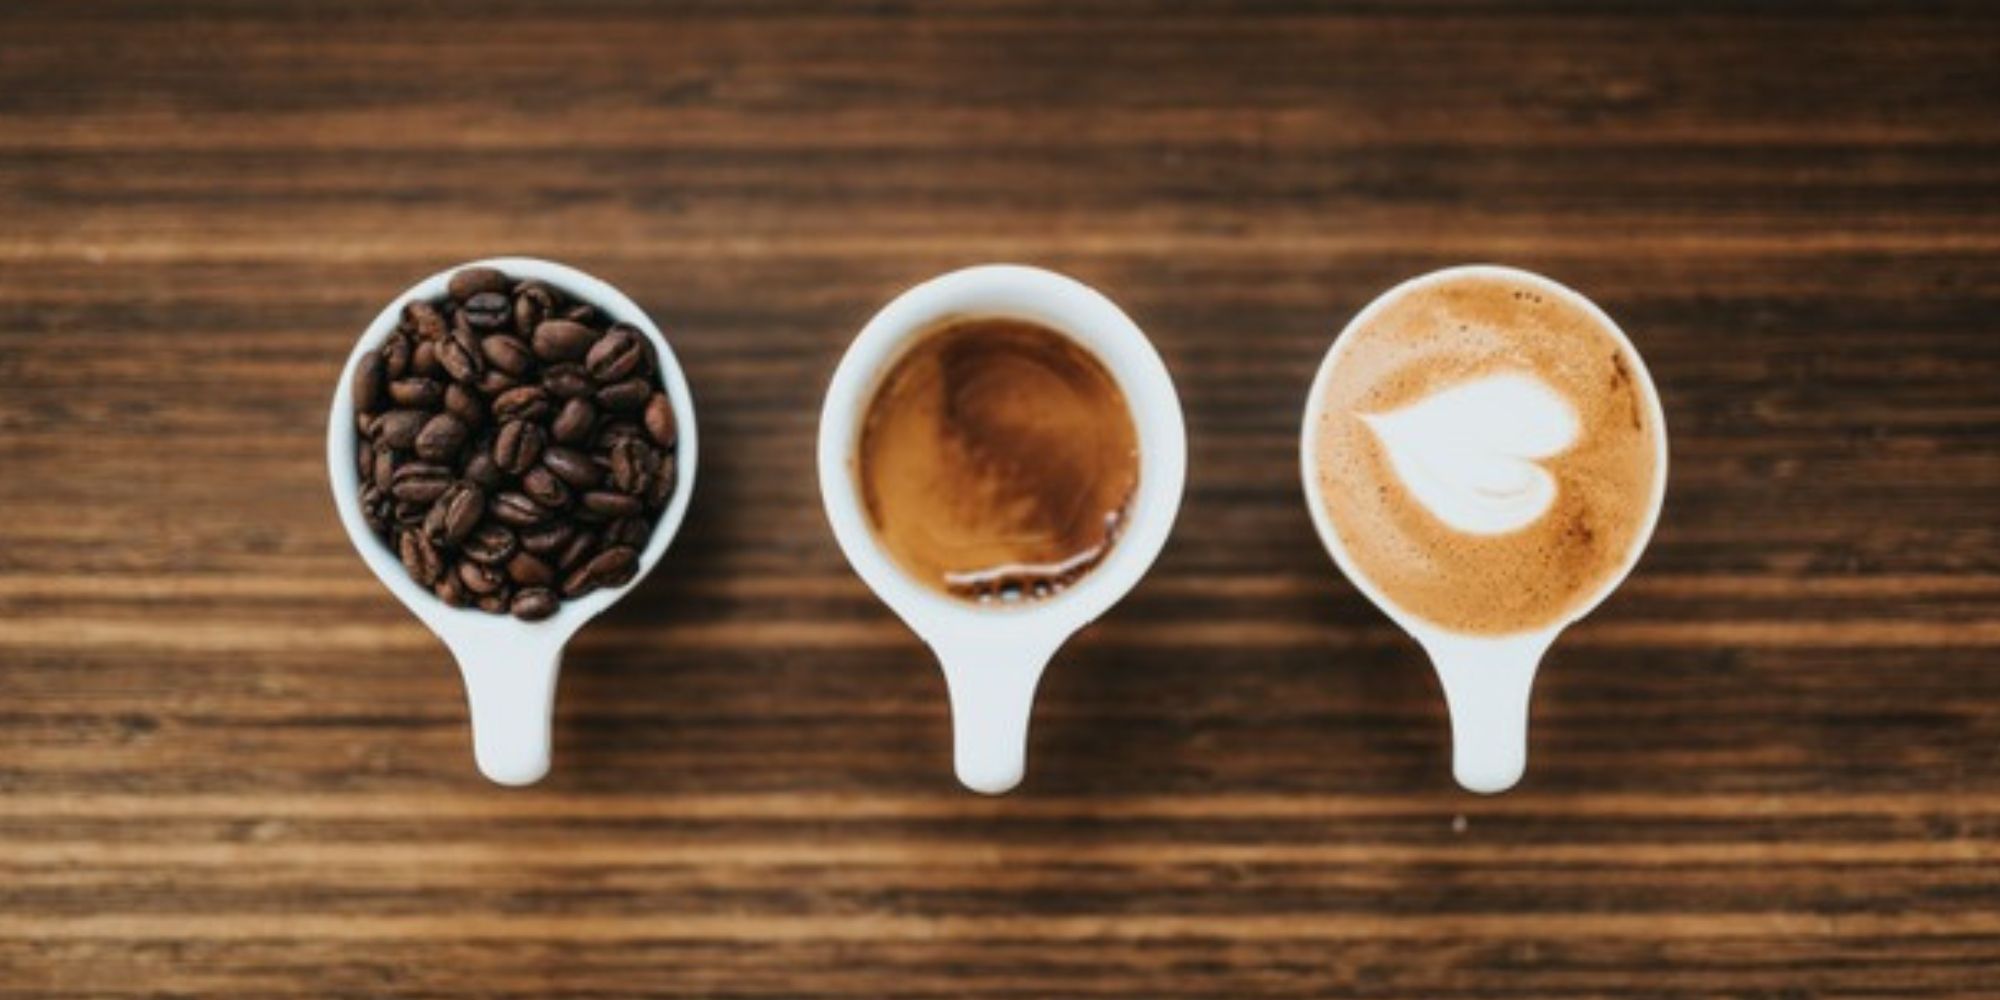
(231, 766)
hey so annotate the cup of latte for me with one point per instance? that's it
(1001, 456)
(1485, 457)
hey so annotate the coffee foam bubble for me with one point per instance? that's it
(1484, 453)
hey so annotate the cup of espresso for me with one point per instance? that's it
(1485, 457)
(1001, 456)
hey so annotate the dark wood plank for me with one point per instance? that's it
(230, 766)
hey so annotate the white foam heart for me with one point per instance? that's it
(1468, 453)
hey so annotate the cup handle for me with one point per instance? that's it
(510, 688)
(1487, 683)
(991, 681)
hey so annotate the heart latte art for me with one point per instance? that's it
(1486, 448)
(1468, 453)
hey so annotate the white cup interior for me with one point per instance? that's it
(509, 666)
(1487, 679)
(993, 652)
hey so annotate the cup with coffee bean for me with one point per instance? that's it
(512, 447)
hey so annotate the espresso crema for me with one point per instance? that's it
(997, 459)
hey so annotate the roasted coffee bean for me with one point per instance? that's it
(424, 359)
(420, 557)
(467, 282)
(633, 531)
(385, 466)
(529, 570)
(573, 466)
(375, 508)
(481, 578)
(574, 421)
(491, 544)
(396, 356)
(606, 504)
(507, 353)
(516, 510)
(545, 487)
(440, 438)
(626, 396)
(585, 313)
(460, 355)
(617, 565)
(534, 604)
(613, 567)
(464, 404)
(567, 381)
(616, 355)
(463, 505)
(632, 466)
(646, 367)
(409, 513)
(420, 483)
(493, 382)
(495, 603)
(580, 547)
(398, 428)
(425, 319)
(488, 311)
(527, 402)
(527, 315)
(417, 393)
(547, 540)
(452, 592)
(578, 584)
(481, 468)
(563, 340)
(518, 446)
(659, 421)
(615, 432)
(433, 526)
(364, 465)
(533, 303)
(541, 292)
(661, 489)
(370, 376)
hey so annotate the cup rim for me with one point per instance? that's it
(342, 437)
(1079, 313)
(1329, 536)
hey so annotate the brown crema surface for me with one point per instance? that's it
(1444, 334)
(997, 459)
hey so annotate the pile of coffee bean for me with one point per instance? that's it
(516, 447)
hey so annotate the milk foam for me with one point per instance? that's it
(1468, 453)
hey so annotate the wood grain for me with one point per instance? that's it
(231, 766)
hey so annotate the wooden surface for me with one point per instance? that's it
(232, 767)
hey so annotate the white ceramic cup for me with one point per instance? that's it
(509, 666)
(1487, 679)
(993, 654)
